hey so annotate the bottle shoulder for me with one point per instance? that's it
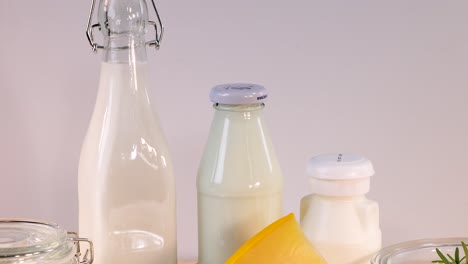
(122, 110)
(239, 156)
(124, 130)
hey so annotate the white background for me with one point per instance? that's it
(385, 79)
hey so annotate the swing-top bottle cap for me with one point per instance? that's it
(238, 94)
(340, 174)
(123, 18)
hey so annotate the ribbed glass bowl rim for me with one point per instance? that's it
(56, 244)
(388, 252)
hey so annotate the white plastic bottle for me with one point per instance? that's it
(126, 184)
(337, 217)
(239, 179)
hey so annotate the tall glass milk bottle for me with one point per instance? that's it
(239, 179)
(337, 217)
(126, 184)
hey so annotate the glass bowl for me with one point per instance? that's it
(418, 251)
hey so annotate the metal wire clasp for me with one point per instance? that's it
(88, 257)
(153, 43)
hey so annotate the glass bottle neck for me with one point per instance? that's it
(125, 49)
(239, 108)
(124, 71)
(239, 113)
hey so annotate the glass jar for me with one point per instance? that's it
(418, 251)
(25, 241)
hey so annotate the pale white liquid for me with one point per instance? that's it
(344, 230)
(126, 184)
(230, 222)
(239, 184)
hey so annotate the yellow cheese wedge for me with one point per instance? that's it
(280, 243)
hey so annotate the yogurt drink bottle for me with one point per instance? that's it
(337, 217)
(126, 185)
(239, 179)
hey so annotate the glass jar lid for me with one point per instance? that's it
(30, 240)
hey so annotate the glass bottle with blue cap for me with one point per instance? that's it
(239, 179)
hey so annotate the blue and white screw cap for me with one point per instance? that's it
(340, 174)
(238, 94)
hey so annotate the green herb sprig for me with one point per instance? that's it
(448, 259)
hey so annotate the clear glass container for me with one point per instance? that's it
(418, 251)
(126, 184)
(239, 181)
(24, 241)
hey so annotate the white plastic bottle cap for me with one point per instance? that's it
(340, 174)
(238, 94)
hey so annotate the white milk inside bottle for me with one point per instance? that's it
(126, 184)
(239, 180)
(337, 217)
